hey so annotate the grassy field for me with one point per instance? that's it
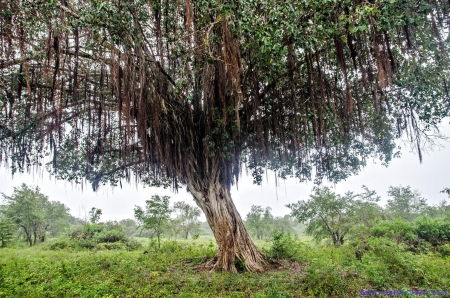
(172, 271)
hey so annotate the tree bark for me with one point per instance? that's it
(232, 239)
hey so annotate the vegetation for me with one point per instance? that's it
(187, 218)
(329, 215)
(98, 259)
(32, 211)
(155, 217)
(173, 271)
(184, 93)
(406, 203)
(6, 232)
(259, 221)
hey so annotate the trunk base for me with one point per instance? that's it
(234, 244)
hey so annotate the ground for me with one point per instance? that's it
(175, 271)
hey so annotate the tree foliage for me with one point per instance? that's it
(259, 221)
(187, 218)
(32, 212)
(330, 215)
(155, 216)
(405, 203)
(169, 92)
(6, 231)
(94, 215)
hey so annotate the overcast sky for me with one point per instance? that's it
(429, 178)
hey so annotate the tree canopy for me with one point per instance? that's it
(169, 92)
(32, 212)
(330, 215)
(139, 88)
(155, 217)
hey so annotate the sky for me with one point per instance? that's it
(429, 177)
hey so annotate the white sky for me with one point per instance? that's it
(429, 178)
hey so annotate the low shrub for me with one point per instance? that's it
(283, 246)
(132, 244)
(111, 246)
(62, 244)
(110, 236)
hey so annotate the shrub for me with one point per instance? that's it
(283, 246)
(132, 244)
(444, 250)
(110, 236)
(111, 246)
(435, 231)
(398, 230)
(61, 244)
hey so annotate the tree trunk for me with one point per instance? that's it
(231, 236)
(35, 236)
(30, 241)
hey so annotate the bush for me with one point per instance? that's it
(61, 244)
(132, 244)
(386, 263)
(111, 246)
(435, 231)
(110, 236)
(398, 230)
(283, 246)
(444, 250)
(91, 235)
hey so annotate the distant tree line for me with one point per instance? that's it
(261, 223)
(406, 217)
(29, 215)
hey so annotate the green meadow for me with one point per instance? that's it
(295, 268)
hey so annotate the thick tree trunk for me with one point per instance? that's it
(231, 236)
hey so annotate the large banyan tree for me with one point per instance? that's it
(172, 92)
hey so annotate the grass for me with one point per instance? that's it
(311, 271)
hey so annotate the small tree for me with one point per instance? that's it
(155, 217)
(283, 224)
(259, 221)
(187, 217)
(406, 203)
(329, 215)
(6, 232)
(130, 226)
(31, 210)
(94, 215)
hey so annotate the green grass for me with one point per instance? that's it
(312, 271)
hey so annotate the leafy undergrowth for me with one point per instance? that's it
(295, 269)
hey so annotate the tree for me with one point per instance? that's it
(447, 191)
(156, 215)
(94, 215)
(259, 221)
(283, 224)
(406, 203)
(31, 210)
(329, 215)
(6, 231)
(169, 93)
(187, 217)
(130, 226)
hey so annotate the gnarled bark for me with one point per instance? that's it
(231, 236)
